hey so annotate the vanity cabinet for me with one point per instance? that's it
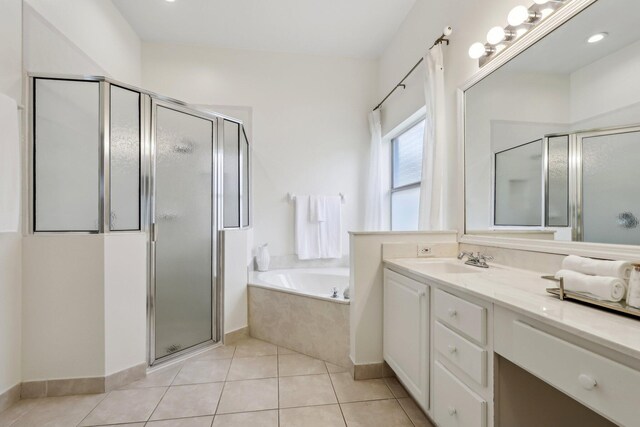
(406, 333)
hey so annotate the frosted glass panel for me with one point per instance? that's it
(245, 179)
(518, 180)
(231, 172)
(183, 213)
(404, 209)
(125, 159)
(611, 184)
(407, 156)
(67, 148)
(558, 182)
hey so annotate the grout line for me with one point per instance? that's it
(83, 418)
(405, 412)
(158, 404)
(336, 394)
(278, 380)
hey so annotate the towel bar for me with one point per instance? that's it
(291, 197)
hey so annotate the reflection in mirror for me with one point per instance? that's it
(581, 102)
(518, 193)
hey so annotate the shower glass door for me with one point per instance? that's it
(183, 232)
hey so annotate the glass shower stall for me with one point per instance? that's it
(106, 157)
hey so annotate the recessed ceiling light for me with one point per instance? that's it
(597, 37)
(170, 1)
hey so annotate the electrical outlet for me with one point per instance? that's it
(424, 250)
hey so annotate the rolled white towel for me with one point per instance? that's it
(602, 288)
(620, 269)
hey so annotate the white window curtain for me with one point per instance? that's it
(373, 207)
(434, 152)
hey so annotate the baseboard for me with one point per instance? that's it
(370, 371)
(10, 397)
(233, 337)
(91, 385)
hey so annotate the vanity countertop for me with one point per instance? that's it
(525, 292)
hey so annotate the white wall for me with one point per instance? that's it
(125, 301)
(10, 243)
(310, 131)
(102, 34)
(63, 311)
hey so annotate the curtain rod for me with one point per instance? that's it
(442, 39)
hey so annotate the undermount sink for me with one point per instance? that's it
(448, 267)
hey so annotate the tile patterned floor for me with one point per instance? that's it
(252, 384)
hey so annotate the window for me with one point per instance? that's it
(406, 176)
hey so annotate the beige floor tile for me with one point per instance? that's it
(414, 412)
(283, 350)
(250, 368)
(184, 422)
(15, 411)
(56, 411)
(249, 395)
(396, 387)
(335, 369)
(223, 352)
(312, 416)
(125, 406)
(189, 401)
(349, 390)
(306, 390)
(378, 413)
(160, 378)
(299, 364)
(252, 347)
(247, 419)
(203, 371)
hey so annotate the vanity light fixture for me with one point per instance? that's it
(497, 35)
(478, 50)
(597, 37)
(522, 15)
(521, 19)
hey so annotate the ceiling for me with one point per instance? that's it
(356, 28)
(566, 49)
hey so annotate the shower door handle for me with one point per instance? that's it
(154, 232)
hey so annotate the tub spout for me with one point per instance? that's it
(335, 293)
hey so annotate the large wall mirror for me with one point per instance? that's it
(552, 137)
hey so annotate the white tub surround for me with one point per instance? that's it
(293, 309)
(310, 282)
(593, 356)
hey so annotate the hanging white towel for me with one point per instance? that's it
(331, 229)
(9, 166)
(307, 233)
(317, 209)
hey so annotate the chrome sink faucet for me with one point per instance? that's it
(477, 260)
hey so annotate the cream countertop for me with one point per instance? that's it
(524, 291)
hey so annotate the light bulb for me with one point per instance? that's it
(521, 31)
(477, 50)
(518, 16)
(541, 1)
(496, 35)
(597, 37)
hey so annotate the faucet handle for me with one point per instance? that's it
(464, 254)
(485, 257)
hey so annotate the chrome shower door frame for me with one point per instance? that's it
(217, 290)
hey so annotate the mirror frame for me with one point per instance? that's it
(597, 250)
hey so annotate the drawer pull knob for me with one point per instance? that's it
(452, 349)
(452, 312)
(452, 411)
(587, 382)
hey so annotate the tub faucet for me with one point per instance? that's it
(335, 293)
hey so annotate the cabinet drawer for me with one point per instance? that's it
(461, 352)
(600, 383)
(455, 405)
(468, 318)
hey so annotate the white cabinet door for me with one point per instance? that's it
(406, 333)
